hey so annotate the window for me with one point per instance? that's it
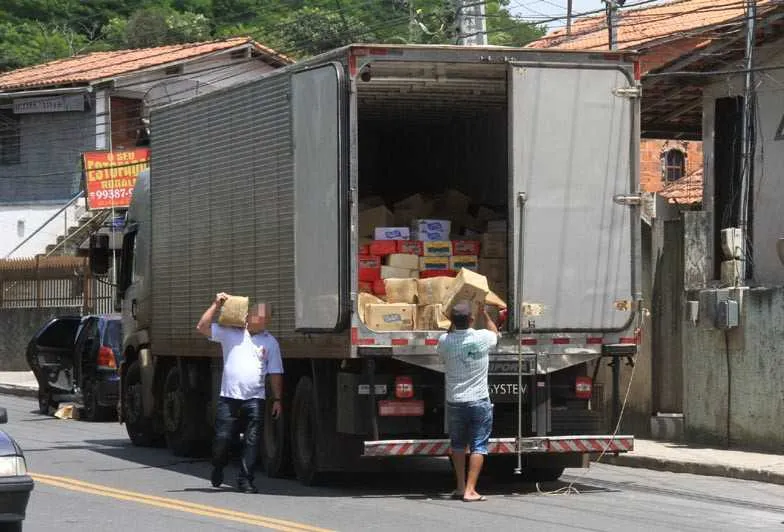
(10, 145)
(61, 333)
(674, 162)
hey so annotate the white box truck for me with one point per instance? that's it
(254, 190)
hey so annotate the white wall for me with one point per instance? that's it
(768, 194)
(32, 217)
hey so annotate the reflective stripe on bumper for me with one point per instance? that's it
(549, 444)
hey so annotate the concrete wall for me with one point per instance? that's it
(768, 183)
(736, 375)
(33, 217)
(18, 326)
(51, 147)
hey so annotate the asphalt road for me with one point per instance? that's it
(90, 478)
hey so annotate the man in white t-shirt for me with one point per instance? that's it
(249, 355)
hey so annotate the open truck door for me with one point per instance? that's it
(318, 100)
(573, 148)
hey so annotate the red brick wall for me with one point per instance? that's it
(651, 168)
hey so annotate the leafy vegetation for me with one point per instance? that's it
(34, 31)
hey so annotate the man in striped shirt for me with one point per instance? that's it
(466, 355)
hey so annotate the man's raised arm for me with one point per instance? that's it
(205, 323)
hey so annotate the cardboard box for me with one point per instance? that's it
(452, 201)
(368, 275)
(431, 236)
(400, 290)
(369, 261)
(465, 247)
(379, 288)
(392, 233)
(493, 245)
(366, 286)
(437, 248)
(411, 208)
(497, 226)
(390, 316)
(468, 286)
(432, 226)
(494, 300)
(364, 249)
(431, 318)
(382, 248)
(374, 217)
(363, 300)
(433, 263)
(464, 261)
(493, 269)
(390, 272)
(485, 214)
(429, 274)
(402, 260)
(412, 247)
(433, 291)
(234, 312)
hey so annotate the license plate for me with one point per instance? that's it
(401, 408)
(506, 390)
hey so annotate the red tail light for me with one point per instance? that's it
(583, 387)
(106, 358)
(404, 388)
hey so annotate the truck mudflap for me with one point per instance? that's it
(548, 444)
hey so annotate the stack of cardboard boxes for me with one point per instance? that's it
(407, 260)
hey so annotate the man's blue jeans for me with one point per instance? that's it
(228, 412)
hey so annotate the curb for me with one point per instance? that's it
(21, 391)
(696, 468)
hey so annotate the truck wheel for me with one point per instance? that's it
(140, 429)
(275, 449)
(543, 474)
(180, 416)
(304, 434)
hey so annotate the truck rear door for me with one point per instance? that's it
(570, 144)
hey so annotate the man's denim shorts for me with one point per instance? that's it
(470, 424)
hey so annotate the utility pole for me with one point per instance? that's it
(612, 22)
(569, 17)
(748, 131)
(471, 23)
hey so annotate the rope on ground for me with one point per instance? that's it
(570, 489)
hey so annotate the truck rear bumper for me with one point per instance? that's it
(548, 444)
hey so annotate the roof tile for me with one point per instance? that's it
(684, 191)
(82, 69)
(645, 26)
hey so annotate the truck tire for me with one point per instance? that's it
(275, 448)
(181, 421)
(305, 434)
(140, 429)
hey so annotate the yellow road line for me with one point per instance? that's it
(175, 504)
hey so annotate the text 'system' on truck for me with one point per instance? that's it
(256, 190)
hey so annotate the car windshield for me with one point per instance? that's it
(113, 335)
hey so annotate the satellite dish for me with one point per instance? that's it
(173, 90)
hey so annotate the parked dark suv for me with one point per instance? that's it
(75, 359)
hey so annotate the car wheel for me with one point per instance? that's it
(11, 527)
(93, 411)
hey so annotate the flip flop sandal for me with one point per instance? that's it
(482, 498)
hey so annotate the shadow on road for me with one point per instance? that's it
(414, 478)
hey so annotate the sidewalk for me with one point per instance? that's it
(18, 383)
(647, 454)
